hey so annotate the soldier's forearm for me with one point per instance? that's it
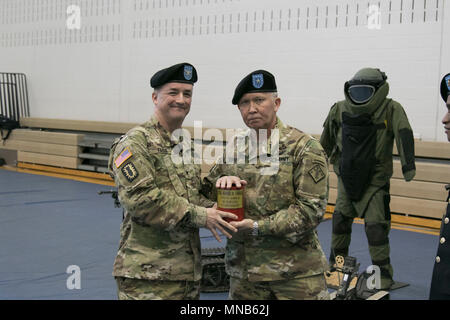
(205, 201)
(163, 209)
(291, 223)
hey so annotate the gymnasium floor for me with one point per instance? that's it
(48, 224)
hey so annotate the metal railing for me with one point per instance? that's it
(14, 96)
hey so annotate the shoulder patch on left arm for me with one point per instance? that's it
(130, 172)
(123, 156)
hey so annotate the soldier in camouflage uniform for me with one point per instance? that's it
(358, 137)
(276, 253)
(159, 250)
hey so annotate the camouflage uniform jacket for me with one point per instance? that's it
(288, 205)
(159, 235)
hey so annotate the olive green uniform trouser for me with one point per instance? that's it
(141, 289)
(377, 223)
(308, 288)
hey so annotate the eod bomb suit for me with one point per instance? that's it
(358, 137)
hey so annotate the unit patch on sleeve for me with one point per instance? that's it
(316, 173)
(130, 172)
(124, 156)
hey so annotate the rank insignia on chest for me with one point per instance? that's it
(129, 171)
(316, 173)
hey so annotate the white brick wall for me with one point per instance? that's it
(102, 71)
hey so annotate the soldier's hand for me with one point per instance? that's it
(227, 182)
(243, 225)
(214, 220)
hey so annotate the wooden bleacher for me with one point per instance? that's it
(43, 144)
(77, 125)
(51, 148)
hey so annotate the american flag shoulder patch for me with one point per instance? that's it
(124, 156)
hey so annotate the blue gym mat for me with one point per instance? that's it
(49, 224)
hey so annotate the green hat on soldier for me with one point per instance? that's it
(445, 87)
(257, 81)
(182, 72)
(362, 87)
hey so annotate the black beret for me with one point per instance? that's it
(445, 87)
(182, 72)
(257, 81)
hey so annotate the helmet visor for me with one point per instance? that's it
(361, 93)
